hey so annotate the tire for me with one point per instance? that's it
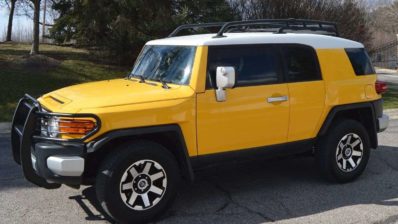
(138, 182)
(344, 151)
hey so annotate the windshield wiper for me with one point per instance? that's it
(164, 83)
(143, 80)
(141, 77)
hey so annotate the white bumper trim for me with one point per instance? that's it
(70, 166)
(383, 122)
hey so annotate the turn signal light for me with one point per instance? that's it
(76, 126)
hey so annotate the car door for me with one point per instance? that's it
(306, 90)
(256, 110)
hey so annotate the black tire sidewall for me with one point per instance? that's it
(111, 176)
(328, 148)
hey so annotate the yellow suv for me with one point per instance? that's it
(256, 87)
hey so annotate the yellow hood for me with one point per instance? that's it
(110, 93)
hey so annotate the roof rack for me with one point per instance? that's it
(281, 26)
(193, 26)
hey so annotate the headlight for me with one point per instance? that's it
(49, 127)
(53, 127)
(66, 128)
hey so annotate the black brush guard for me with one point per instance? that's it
(22, 130)
(25, 133)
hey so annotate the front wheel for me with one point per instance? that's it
(344, 152)
(138, 182)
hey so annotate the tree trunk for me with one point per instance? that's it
(36, 30)
(43, 29)
(10, 19)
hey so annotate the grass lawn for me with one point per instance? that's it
(67, 66)
(391, 98)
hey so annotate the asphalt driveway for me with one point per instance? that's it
(285, 190)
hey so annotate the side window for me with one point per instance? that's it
(254, 64)
(360, 61)
(301, 63)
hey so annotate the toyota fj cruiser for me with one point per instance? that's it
(281, 86)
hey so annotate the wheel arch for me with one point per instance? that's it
(362, 112)
(169, 136)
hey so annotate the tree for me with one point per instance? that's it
(36, 29)
(122, 27)
(44, 20)
(384, 23)
(353, 23)
(350, 16)
(386, 18)
(10, 19)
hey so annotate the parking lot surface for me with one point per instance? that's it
(287, 190)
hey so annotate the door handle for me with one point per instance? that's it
(277, 99)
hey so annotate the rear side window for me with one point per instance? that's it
(254, 64)
(360, 61)
(301, 63)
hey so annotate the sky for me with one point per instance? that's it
(375, 3)
(20, 23)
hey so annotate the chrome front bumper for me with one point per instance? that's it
(383, 122)
(67, 166)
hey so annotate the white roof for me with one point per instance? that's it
(317, 41)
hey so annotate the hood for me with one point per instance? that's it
(110, 93)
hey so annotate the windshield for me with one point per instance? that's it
(172, 64)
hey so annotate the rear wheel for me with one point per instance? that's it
(137, 183)
(344, 152)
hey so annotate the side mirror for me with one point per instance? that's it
(225, 78)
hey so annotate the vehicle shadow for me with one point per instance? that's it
(10, 173)
(271, 190)
(90, 205)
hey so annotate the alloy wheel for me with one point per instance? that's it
(143, 185)
(349, 152)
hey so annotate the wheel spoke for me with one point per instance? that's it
(355, 143)
(356, 153)
(341, 146)
(351, 161)
(156, 176)
(147, 167)
(344, 164)
(145, 199)
(340, 156)
(133, 198)
(133, 172)
(349, 139)
(127, 186)
(156, 190)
